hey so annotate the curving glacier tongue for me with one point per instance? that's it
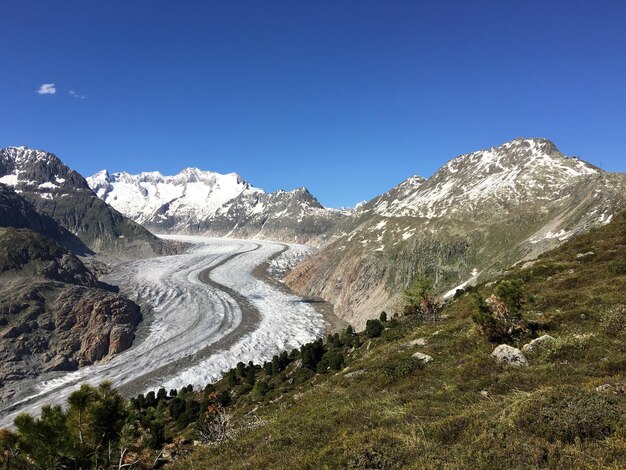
(205, 312)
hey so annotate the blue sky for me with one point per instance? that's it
(347, 98)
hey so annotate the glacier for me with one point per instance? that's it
(204, 311)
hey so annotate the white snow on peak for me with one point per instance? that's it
(511, 173)
(192, 194)
(10, 180)
(21, 154)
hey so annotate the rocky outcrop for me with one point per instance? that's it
(16, 212)
(54, 314)
(25, 253)
(51, 326)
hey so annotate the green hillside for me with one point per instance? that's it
(567, 409)
(364, 401)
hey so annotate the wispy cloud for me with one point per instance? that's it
(47, 89)
(76, 95)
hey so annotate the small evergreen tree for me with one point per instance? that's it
(161, 394)
(311, 354)
(373, 328)
(151, 399)
(156, 437)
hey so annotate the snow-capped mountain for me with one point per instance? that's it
(191, 195)
(476, 216)
(500, 178)
(196, 201)
(55, 190)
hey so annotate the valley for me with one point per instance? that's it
(313, 235)
(204, 310)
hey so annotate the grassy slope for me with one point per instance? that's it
(463, 410)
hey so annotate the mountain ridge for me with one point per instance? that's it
(477, 215)
(207, 202)
(57, 191)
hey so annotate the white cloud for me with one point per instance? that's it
(76, 95)
(47, 89)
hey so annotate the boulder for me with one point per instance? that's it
(509, 355)
(538, 344)
(418, 342)
(425, 358)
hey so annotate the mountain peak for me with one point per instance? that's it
(487, 180)
(23, 153)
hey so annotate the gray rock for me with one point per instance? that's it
(425, 358)
(418, 342)
(537, 344)
(509, 355)
(355, 373)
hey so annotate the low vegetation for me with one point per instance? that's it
(367, 400)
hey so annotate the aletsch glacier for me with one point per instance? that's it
(525, 193)
(194, 330)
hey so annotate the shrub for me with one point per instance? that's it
(569, 413)
(332, 360)
(511, 292)
(373, 328)
(156, 436)
(401, 367)
(618, 266)
(420, 289)
(458, 293)
(260, 389)
(564, 348)
(177, 407)
(161, 395)
(280, 362)
(419, 299)
(614, 321)
(393, 334)
(498, 321)
(311, 354)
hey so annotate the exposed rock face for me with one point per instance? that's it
(55, 190)
(16, 212)
(509, 355)
(479, 214)
(24, 253)
(54, 314)
(196, 201)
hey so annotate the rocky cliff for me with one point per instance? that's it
(54, 314)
